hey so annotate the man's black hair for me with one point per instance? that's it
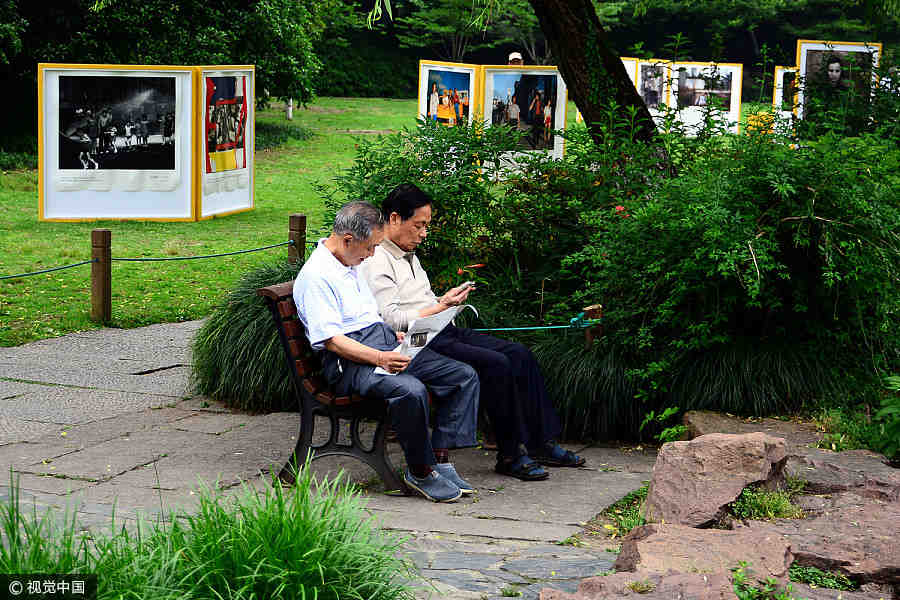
(404, 200)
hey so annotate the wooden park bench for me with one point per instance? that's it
(316, 399)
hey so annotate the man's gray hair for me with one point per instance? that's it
(358, 219)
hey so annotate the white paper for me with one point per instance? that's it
(421, 331)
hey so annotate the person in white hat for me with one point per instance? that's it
(515, 58)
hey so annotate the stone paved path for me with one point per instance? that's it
(105, 420)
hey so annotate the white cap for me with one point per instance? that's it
(514, 56)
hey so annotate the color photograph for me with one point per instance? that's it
(528, 103)
(449, 97)
(226, 123)
(116, 122)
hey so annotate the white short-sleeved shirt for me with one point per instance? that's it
(331, 298)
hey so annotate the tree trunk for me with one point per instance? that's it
(593, 72)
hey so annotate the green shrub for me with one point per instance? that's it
(237, 355)
(760, 504)
(269, 135)
(821, 579)
(313, 540)
(889, 416)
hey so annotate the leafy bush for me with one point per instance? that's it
(237, 355)
(820, 579)
(269, 135)
(848, 428)
(752, 280)
(755, 503)
(311, 540)
(889, 415)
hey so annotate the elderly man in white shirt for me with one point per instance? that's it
(525, 421)
(341, 320)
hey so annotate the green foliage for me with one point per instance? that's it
(457, 166)
(761, 504)
(270, 135)
(889, 416)
(237, 355)
(668, 434)
(449, 27)
(625, 513)
(849, 428)
(818, 578)
(745, 589)
(310, 540)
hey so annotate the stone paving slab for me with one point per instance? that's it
(50, 484)
(65, 405)
(14, 429)
(171, 382)
(12, 389)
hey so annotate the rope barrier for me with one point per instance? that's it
(287, 243)
(578, 322)
(84, 262)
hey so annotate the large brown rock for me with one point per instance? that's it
(693, 481)
(660, 548)
(650, 586)
(859, 471)
(853, 535)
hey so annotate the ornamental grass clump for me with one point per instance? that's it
(237, 355)
(311, 540)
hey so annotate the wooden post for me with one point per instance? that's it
(297, 232)
(594, 311)
(101, 275)
(289, 109)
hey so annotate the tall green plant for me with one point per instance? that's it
(237, 355)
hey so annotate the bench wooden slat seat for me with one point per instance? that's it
(315, 398)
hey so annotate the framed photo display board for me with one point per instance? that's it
(225, 146)
(448, 92)
(830, 68)
(114, 142)
(701, 89)
(784, 92)
(530, 98)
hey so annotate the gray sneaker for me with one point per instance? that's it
(449, 473)
(433, 486)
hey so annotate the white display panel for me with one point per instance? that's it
(225, 143)
(447, 92)
(705, 89)
(784, 92)
(115, 142)
(519, 96)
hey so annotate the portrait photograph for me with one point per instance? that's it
(116, 122)
(226, 123)
(702, 90)
(652, 85)
(830, 70)
(446, 93)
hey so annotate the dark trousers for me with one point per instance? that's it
(453, 384)
(512, 387)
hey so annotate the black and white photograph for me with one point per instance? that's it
(651, 84)
(831, 71)
(703, 86)
(117, 122)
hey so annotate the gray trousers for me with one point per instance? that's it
(453, 384)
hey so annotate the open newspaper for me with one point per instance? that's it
(424, 329)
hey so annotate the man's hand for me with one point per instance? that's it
(456, 296)
(393, 362)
